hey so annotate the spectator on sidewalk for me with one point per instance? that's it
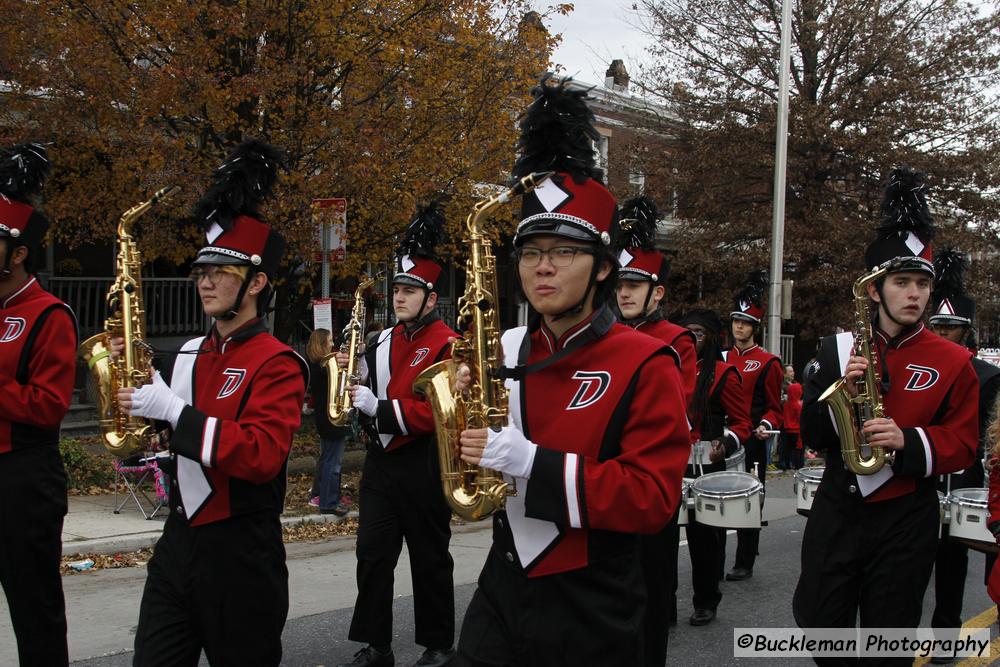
(331, 438)
(791, 409)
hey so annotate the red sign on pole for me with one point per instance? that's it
(330, 221)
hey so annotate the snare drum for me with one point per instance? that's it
(969, 514)
(684, 505)
(737, 461)
(805, 486)
(727, 499)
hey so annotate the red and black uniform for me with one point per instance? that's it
(217, 580)
(761, 375)
(726, 421)
(952, 563)
(401, 495)
(658, 552)
(38, 342)
(870, 540)
(605, 406)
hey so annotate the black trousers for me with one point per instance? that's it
(748, 539)
(951, 565)
(590, 616)
(658, 559)
(706, 563)
(222, 587)
(872, 558)
(32, 507)
(401, 498)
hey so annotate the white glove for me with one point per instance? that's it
(507, 450)
(362, 371)
(363, 399)
(157, 401)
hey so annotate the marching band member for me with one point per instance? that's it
(953, 314)
(597, 439)
(718, 414)
(761, 375)
(401, 494)
(870, 540)
(993, 523)
(217, 579)
(37, 368)
(642, 282)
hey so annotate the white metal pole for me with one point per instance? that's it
(325, 247)
(780, 157)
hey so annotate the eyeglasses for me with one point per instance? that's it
(213, 273)
(559, 256)
(699, 335)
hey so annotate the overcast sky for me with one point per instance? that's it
(595, 33)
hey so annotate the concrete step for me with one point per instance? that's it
(80, 412)
(75, 428)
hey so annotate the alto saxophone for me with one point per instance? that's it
(123, 435)
(339, 406)
(851, 412)
(473, 492)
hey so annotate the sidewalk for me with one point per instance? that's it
(91, 526)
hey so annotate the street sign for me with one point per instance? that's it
(322, 314)
(330, 220)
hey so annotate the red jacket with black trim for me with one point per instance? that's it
(38, 342)
(248, 390)
(932, 396)
(761, 374)
(791, 409)
(610, 423)
(394, 363)
(678, 337)
(726, 418)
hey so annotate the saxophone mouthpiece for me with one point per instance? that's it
(165, 193)
(530, 182)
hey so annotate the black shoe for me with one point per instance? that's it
(370, 656)
(739, 574)
(702, 617)
(942, 660)
(435, 657)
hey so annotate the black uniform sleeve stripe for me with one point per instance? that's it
(581, 493)
(611, 441)
(29, 344)
(546, 496)
(187, 437)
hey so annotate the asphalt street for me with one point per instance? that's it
(102, 606)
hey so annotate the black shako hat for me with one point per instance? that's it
(951, 304)
(749, 302)
(903, 239)
(23, 170)
(230, 210)
(416, 260)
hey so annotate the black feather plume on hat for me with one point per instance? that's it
(904, 206)
(753, 288)
(23, 169)
(240, 184)
(557, 132)
(949, 270)
(638, 222)
(424, 232)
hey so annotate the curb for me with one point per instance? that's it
(145, 540)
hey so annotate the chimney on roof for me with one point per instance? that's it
(616, 78)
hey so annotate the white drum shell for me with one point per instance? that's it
(737, 461)
(685, 504)
(969, 513)
(944, 508)
(735, 505)
(805, 486)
